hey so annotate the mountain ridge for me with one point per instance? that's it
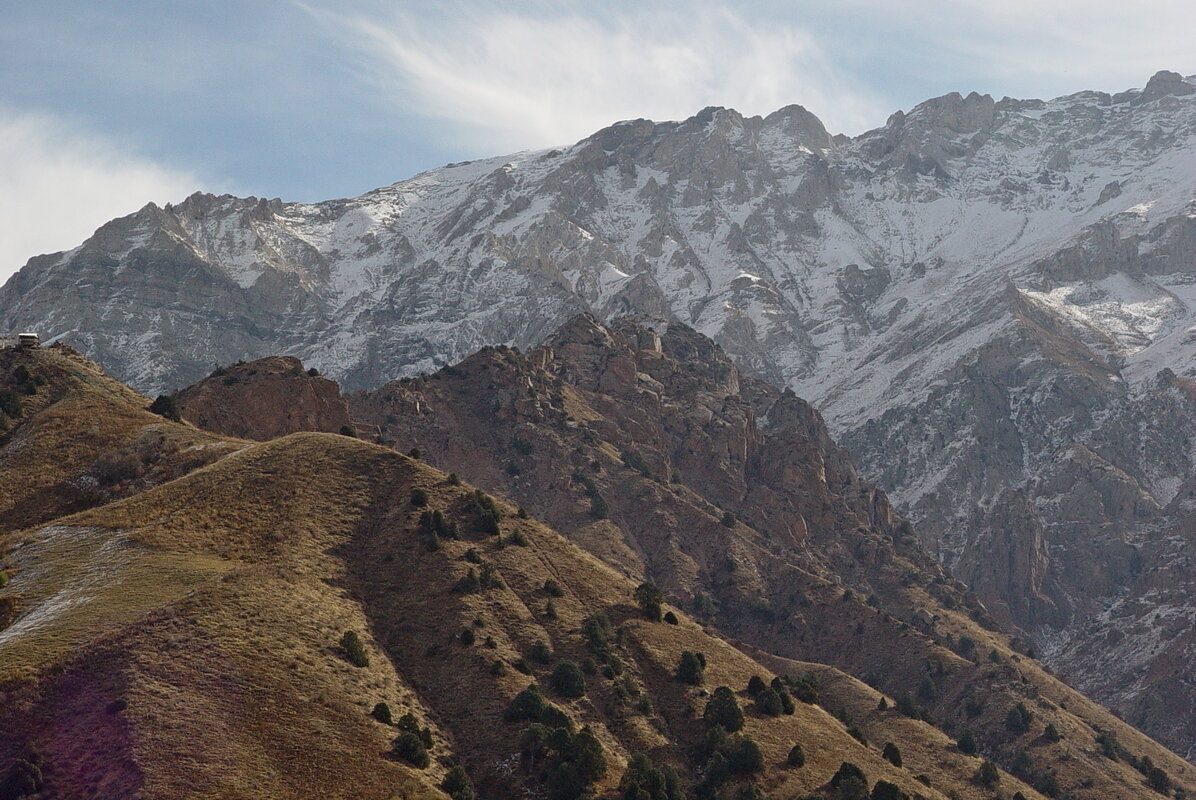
(979, 297)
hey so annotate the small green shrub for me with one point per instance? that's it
(381, 713)
(671, 618)
(165, 405)
(410, 748)
(649, 599)
(419, 498)
(1051, 733)
(987, 775)
(553, 589)
(722, 710)
(883, 790)
(567, 679)
(892, 754)
(458, 785)
(354, 650)
(1018, 719)
(691, 667)
(796, 757)
(348, 430)
(768, 702)
(967, 743)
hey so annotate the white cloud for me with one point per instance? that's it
(58, 184)
(1035, 48)
(512, 80)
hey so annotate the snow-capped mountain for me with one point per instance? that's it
(993, 303)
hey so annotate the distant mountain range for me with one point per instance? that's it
(993, 304)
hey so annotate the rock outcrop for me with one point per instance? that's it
(265, 399)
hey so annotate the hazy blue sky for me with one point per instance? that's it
(107, 105)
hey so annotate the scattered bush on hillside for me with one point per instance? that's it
(381, 713)
(805, 691)
(313, 373)
(705, 606)
(348, 430)
(541, 652)
(728, 519)
(1051, 734)
(756, 685)
(723, 711)
(671, 618)
(1018, 719)
(883, 705)
(10, 403)
(550, 610)
(567, 679)
(967, 743)
(636, 462)
(489, 578)
(768, 702)
(743, 755)
(1156, 778)
(410, 748)
(691, 667)
(649, 599)
(857, 734)
(883, 790)
(166, 405)
(892, 754)
(796, 757)
(987, 775)
(553, 589)
(457, 784)
(116, 466)
(354, 650)
(419, 498)
(599, 634)
(519, 539)
(467, 637)
(470, 583)
(644, 781)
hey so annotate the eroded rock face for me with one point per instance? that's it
(1022, 276)
(265, 399)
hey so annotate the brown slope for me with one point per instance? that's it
(82, 438)
(227, 681)
(671, 437)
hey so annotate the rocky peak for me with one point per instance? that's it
(265, 399)
(799, 124)
(1166, 84)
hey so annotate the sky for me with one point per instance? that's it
(107, 106)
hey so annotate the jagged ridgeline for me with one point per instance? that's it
(731, 613)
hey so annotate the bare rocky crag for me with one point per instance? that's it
(264, 400)
(991, 302)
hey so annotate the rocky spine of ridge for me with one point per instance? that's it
(982, 297)
(657, 454)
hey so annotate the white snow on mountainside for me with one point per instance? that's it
(993, 303)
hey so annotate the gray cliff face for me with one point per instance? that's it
(993, 303)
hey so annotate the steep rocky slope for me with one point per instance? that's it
(266, 399)
(188, 639)
(982, 297)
